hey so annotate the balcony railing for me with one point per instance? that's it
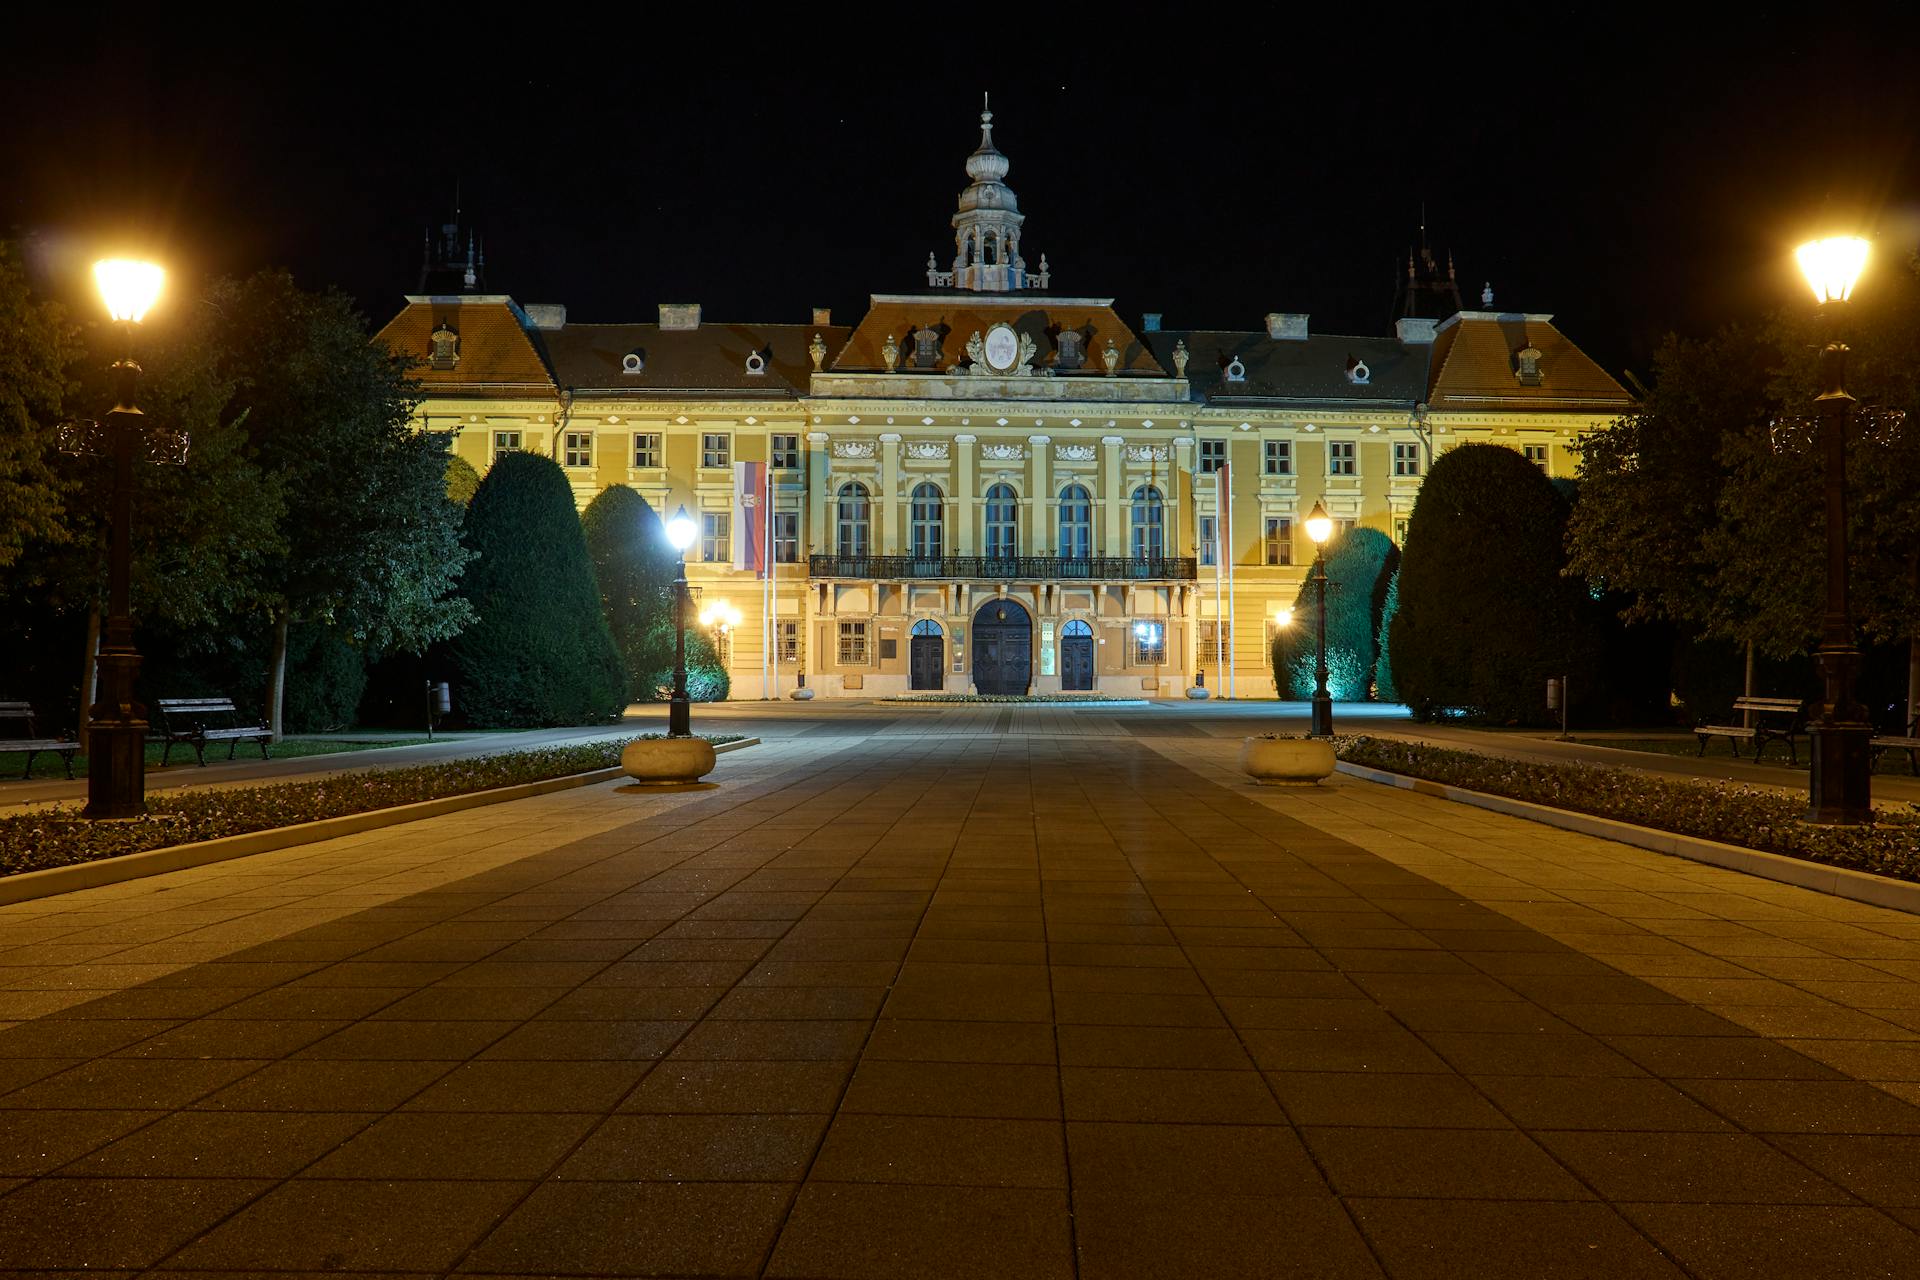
(1093, 568)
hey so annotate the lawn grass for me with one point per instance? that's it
(1891, 762)
(47, 764)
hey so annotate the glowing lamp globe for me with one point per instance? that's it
(1832, 266)
(1284, 617)
(1319, 524)
(129, 288)
(681, 530)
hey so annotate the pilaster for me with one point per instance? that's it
(889, 496)
(1039, 539)
(819, 486)
(1113, 500)
(966, 497)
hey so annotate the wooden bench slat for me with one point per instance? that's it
(181, 721)
(33, 745)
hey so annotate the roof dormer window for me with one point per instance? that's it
(756, 364)
(446, 347)
(1236, 371)
(1357, 371)
(1527, 366)
(633, 362)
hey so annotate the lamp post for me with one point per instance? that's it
(1320, 528)
(680, 532)
(117, 725)
(1839, 783)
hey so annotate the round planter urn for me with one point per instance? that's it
(802, 694)
(1199, 692)
(664, 760)
(1287, 762)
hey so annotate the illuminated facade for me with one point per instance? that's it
(989, 484)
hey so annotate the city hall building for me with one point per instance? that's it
(990, 484)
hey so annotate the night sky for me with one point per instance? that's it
(1630, 177)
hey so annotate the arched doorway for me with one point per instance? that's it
(927, 655)
(1002, 648)
(1076, 657)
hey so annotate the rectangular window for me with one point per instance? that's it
(1536, 454)
(1341, 528)
(646, 448)
(1279, 457)
(1340, 457)
(1400, 531)
(787, 642)
(506, 442)
(716, 449)
(578, 449)
(1213, 456)
(1209, 538)
(853, 644)
(1406, 459)
(786, 453)
(1149, 643)
(786, 537)
(1209, 644)
(715, 542)
(1279, 540)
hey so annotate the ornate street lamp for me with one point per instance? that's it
(1839, 786)
(681, 531)
(1320, 528)
(117, 725)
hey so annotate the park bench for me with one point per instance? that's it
(31, 742)
(1909, 743)
(1774, 719)
(199, 721)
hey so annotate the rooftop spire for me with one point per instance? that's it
(986, 226)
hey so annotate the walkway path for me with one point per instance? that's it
(940, 1005)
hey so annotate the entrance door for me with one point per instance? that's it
(1002, 649)
(1076, 657)
(926, 656)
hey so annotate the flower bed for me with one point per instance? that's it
(1746, 816)
(1006, 697)
(59, 837)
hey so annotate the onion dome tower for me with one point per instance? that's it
(986, 228)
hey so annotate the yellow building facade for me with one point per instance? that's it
(992, 485)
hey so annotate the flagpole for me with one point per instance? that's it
(1226, 472)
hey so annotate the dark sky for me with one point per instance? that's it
(1628, 172)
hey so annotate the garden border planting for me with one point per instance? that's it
(235, 822)
(1038, 699)
(1743, 828)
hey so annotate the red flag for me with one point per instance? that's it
(750, 550)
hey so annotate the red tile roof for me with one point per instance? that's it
(958, 316)
(1476, 363)
(495, 351)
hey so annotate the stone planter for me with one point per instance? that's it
(665, 760)
(802, 694)
(1198, 693)
(1287, 762)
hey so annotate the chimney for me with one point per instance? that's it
(546, 315)
(679, 315)
(1413, 332)
(1150, 322)
(1287, 326)
(823, 316)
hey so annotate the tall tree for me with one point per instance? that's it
(38, 346)
(635, 567)
(372, 544)
(539, 652)
(1485, 614)
(1360, 564)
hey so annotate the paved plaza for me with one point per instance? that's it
(984, 992)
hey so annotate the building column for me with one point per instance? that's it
(1114, 501)
(966, 500)
(889, 496)
(1040, 518)
(819, 488)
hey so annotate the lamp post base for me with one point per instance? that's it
(1839, 783)
(116, 769)
(679, 717)
(1322, 716)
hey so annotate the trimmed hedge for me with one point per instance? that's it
(1746, 816)
(1360, 564)
(60, 837)
(1004, 697)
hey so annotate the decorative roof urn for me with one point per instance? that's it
(818, 350)
(890, 352)
(1110, 357)
(1180, 358)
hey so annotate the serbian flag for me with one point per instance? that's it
(751, 502)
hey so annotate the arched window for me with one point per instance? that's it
(1147, 544)
(1003, 514)
(1076, 523)
(855, 520)
(926, 627)
(1076, 627)
(927, 520)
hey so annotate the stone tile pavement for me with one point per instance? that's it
(923, 1005)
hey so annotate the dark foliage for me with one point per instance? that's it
(1360, 566)
(540, 652)
(635, 567)
(1485, 614)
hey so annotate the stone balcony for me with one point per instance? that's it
(1006, 568)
